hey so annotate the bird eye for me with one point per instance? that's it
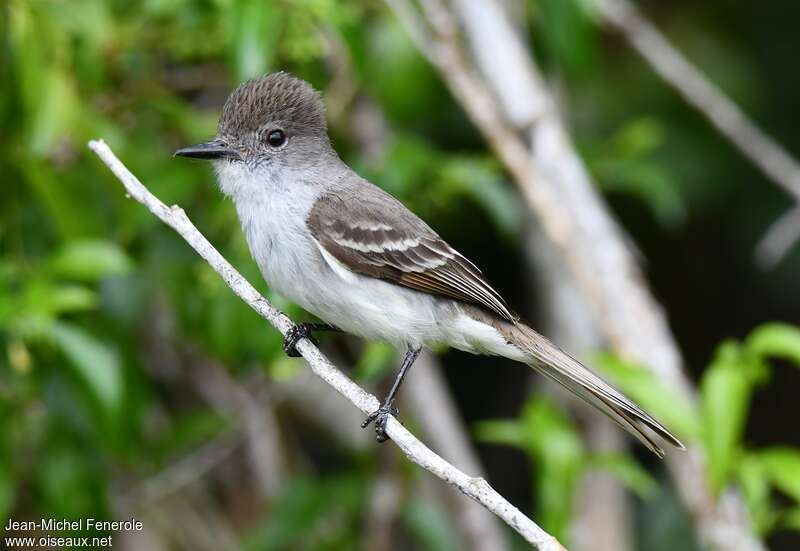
(276, 138)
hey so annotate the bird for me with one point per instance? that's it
(358, 259)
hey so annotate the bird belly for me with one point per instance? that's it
(294, 267)
(370, 308)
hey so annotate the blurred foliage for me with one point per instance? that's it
(559, 460)
(104, 311)
(719, 419)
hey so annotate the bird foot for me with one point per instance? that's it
(381, 417)
(299, 331)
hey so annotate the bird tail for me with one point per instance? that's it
(524, 344)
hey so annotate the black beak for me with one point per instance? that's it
(214, 149)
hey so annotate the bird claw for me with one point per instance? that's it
(381, 418)
(293, 336)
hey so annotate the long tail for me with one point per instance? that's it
(524, 344)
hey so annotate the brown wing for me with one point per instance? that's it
(373, 234)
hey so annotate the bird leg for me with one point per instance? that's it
(381, 416)
(303, 331)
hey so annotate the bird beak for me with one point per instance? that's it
(212, 150)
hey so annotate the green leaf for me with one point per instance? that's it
(754, 483)
(779, 340)
(508, 432)
(70, 479)
(256, 31)
(791, 519)
(40, 302)
(557, 452)
(627, 471)
(480, 179)
(42, 297)
(313, 513)
(54, 116)
(548, 429)
(568, 32)
(554, 446)
(647, 180)
(782, 467)
(627, 164)
(97, 364)
(376, 359)
(56, 201)
(725, 388)
(90, 260)
(429, 526)
(6, 492)
(637, 138)
(665, 404)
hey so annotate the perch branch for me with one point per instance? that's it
(443, 427)
(475, 487)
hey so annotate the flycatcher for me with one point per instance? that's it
(358, 259)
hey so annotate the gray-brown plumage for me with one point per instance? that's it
(280, 98)
(372, 233)
(568, 372)
(358, 259)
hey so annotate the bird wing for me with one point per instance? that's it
(373, 234)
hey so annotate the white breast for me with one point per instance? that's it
(273, 215)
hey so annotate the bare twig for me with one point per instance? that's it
(427, 392)
(167, 361)
(699, 92)
(385, 502)
(556, 185)
(703, 95)
(779, 238)
(181, 473)
(257, 419)
(475, 487)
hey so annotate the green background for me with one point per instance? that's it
(110, 324)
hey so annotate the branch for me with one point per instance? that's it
(699, 92)
(779, 238)
(475, 487)
(511, 100)
(183, 472)
(703, 95)
(442, 425)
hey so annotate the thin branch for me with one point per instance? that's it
(257, 420)
(699, 92)
(254, 418)
(703, 95)
(556, 185)
(441, 424)
(183, 472)
(475, 487)
(387, 495)
(779, 238)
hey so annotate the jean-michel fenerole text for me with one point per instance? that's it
(51, 524)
